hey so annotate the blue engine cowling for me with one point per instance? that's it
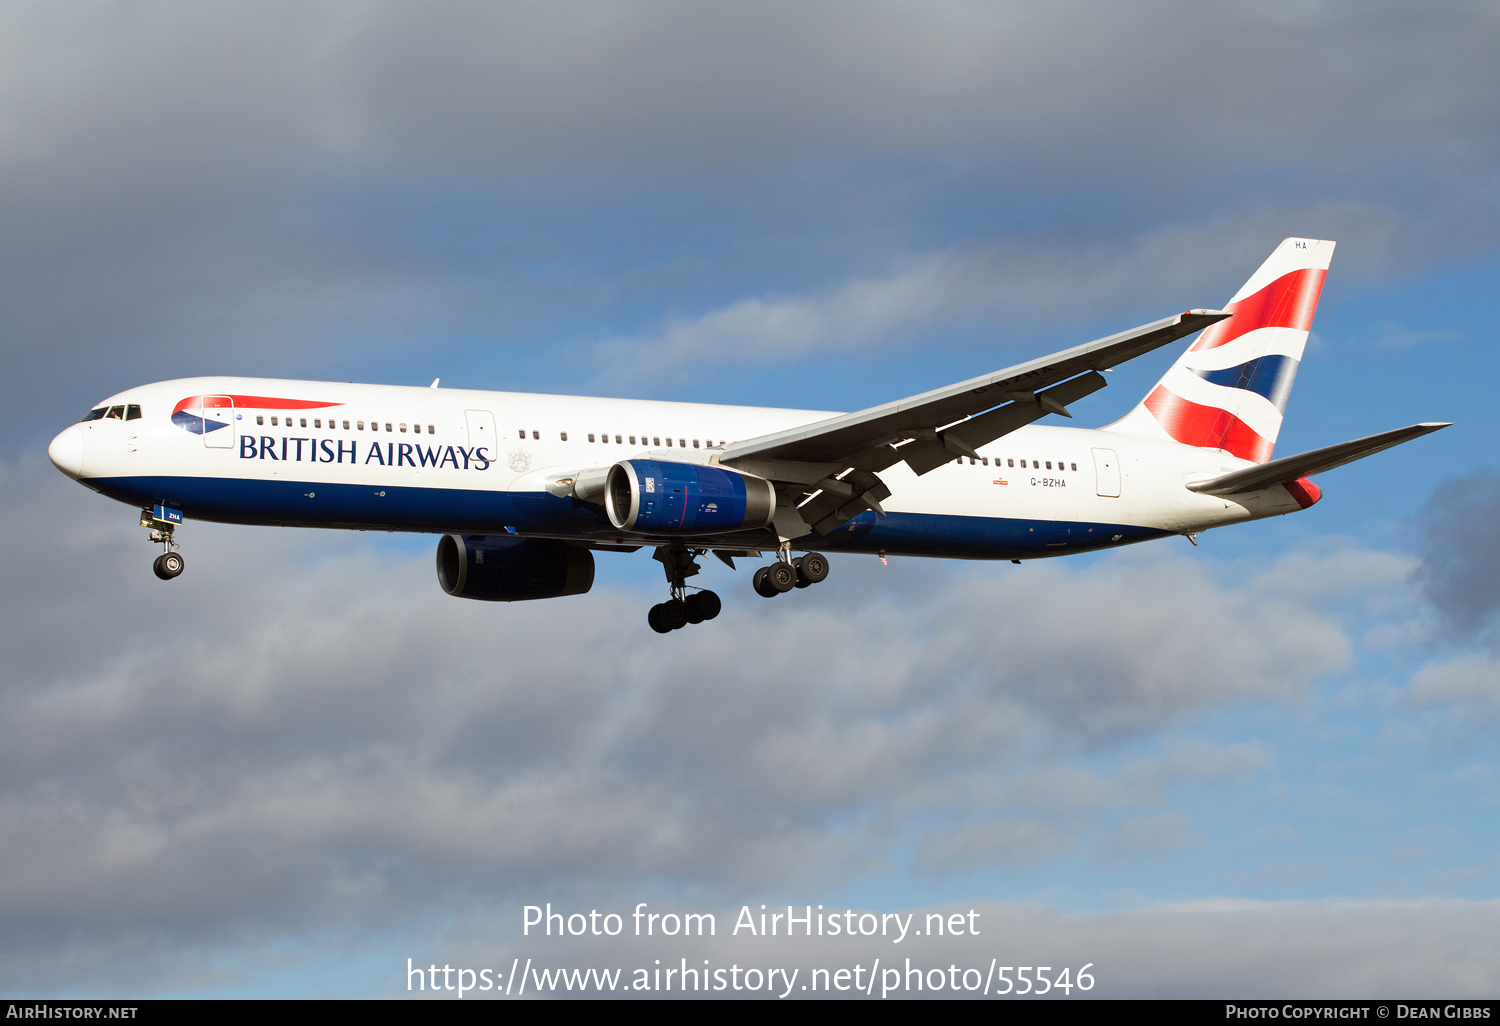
(508, 569)
(654, 496)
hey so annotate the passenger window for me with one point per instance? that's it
(657, 441)
(302, 422)
(681, 443)
(984, 461)
(94, 414)
(1049, 464)
(521, 434)
(132, 412)
(316, 422)
(273, 422)
(591, 437)
(346, 425)
(403, 429)
(260, 419)
(1011, 462)
(1075, 466)
(387, 426)
(359, 424)
(695, 443)
(669, 443)
(564, 436)
(617, 440)
(632, 439)
(431, 430)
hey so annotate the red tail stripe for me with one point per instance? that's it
(254, 402)
(1206, 426)
(1288, 302)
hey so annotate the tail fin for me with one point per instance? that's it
(1229, 390)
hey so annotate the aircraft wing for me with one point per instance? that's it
(841, 455)
(1306, 464)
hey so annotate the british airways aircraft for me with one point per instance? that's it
(525, 488)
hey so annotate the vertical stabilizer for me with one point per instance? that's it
(1229, 390)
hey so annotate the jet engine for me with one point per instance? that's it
(509, 569)
(656, 496)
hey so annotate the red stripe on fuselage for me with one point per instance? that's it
(1288, 302)
(1206, 426)
(253, 402)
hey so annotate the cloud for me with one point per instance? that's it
(303, 733)
(262, 188)
(1460, 568)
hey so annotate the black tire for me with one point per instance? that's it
(781, 576)
(654, 619)
(813, 568)
(694, 606)
(673, 614)
(762, 588)
(708, 604)
(168, 565)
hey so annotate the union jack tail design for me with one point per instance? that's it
(1229, 390)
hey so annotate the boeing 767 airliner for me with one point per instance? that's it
(525, 488)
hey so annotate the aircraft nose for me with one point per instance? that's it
(66, 451)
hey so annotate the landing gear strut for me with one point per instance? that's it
(170, 563)
(785, 574)
(681, 609)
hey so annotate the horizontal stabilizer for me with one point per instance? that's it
(1306, 464)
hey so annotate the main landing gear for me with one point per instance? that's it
(784, 574)
(681, 609)
(170, 563)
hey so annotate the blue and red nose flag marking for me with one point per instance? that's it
(198, 425)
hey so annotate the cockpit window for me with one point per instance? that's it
(132, 412)
(115, 413)
(93, 414)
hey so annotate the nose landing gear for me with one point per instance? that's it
(163, 521)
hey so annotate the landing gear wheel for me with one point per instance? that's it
(703, 605)
(781, 576)
(673, 614)
(758, 582)
(167, 566)
(811, 569)
(654, 619)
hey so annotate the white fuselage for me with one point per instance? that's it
(434, 460)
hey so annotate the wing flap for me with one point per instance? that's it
(1306, 464)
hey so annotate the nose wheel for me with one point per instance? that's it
(162, 523)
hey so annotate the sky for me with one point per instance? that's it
(1262, 766)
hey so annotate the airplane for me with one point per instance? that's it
(524, 489)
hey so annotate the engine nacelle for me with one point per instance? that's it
(655, 496)
(509, 569)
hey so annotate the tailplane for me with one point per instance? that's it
(1229, 390)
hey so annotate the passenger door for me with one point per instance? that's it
(1107, 471)
(218, 421)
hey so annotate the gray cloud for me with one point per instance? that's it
(280, 189)
(303, 733)
(1460, 568)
